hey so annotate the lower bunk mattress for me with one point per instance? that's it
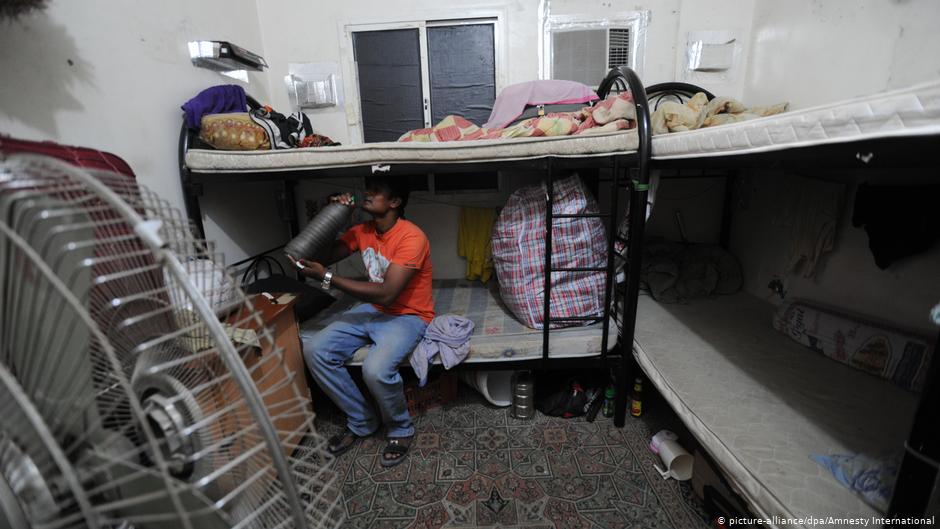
(497, 335)
(760, 403)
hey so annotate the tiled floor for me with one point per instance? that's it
(474, 465)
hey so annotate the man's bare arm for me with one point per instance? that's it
(385, 293)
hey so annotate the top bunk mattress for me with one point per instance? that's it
(760, 403)
(913, 111)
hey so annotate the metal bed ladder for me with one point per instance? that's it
(639, 191)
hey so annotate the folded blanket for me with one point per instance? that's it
(446, 335)
(699, 112)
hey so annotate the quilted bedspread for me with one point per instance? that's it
(613, 114)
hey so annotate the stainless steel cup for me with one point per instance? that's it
(523, 395)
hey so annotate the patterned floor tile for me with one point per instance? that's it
(531, 513)
(472, 465)
(468, 491)
(385, 505)
(570, 488)
(611, 519)
(358, 496)
(392, 523)
(460, 515)
(495, 510)
(456, 466)
(428, 441)
(595, 460)
(491, 438)
(430, 517)
(530, 463)
(519, 488)
(494, 463)
(458, 439)
(523, 437)
(605, 496)
(422, 487)
(361, 521)
(564, 515)
(490, 416)
(395, 474)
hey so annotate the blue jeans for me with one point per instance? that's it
(393, 339)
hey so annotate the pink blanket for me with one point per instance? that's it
(513, 99)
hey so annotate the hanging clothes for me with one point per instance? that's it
(474, 235)
(813, 219)
(900, 220)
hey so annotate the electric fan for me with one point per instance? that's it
(132, 390)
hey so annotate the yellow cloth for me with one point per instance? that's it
(473, 241)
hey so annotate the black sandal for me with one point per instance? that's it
(395, 451)
(341, 443)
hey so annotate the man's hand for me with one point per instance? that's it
(311, 269)
(345, 199)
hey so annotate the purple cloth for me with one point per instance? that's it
(219, 99)
(513, 99)
(446, 335)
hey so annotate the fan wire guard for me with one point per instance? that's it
(119, 333)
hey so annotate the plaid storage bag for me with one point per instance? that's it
(519, 254)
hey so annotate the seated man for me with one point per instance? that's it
(398, 308)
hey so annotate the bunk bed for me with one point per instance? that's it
(757, 402)
(557, 348)
(710, 361)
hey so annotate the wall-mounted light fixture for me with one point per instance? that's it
(225, 57)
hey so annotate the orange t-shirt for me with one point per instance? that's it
(405, 245)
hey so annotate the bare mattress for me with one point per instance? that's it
(497, 334)
(760, 403)
(906, 112)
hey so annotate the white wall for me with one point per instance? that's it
(847, 277)
(666, 35)
(112, 74)
(811, 52)
(716, 15)
(299, 31)
(130, 71)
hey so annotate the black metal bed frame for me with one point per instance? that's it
(921, 462)
(619, 79)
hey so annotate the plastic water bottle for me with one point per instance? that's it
(609, 404)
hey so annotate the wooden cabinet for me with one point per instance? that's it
(279, 380)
